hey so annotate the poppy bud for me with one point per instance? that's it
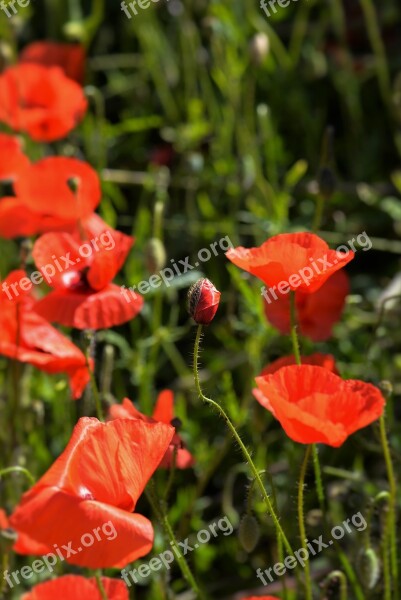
(155, 255)
(249, 533)
(369, 568)
(203, 301)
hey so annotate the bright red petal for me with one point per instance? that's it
(164, 409)
(75, 587)
(56, 255)
(69, 57)
(12, 159)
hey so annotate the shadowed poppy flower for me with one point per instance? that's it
(12, 159)
(29, 338)
(163, 413)
(314, 405)
(23, 544)
(96, 482)
(83, 295)
(317, 313)
(41, 101)
(75, 587)
(45, 200)
(69, 57)
(291, 261)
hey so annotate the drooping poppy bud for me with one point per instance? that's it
(249, 533)
(203, 301)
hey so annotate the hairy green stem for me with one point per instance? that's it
(246, 454)
(18, 470)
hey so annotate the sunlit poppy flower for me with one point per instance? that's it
(317, 313)
(12, 159)
(319, 360)
(164, 413)
(40, 101)
(29, 338)
(69, 57)
(46, 199)
(203, 301)
(314, 405)
(83, 295)
(93, 488)
(291, 261)
(75, 587)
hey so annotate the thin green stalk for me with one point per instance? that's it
(247, 456)
(95, 390)
(318, 216)
(100, 586)
(297, 355)
(392, 505)
(162, 517)
(301, 520)
(18, 470)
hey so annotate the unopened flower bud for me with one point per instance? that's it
(155, 255)
(386, 388)
(259, 47)
(203, 301)
(249, 533)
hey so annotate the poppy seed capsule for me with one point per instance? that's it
(203, 301)
(249, 533)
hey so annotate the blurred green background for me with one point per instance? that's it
(208, 119)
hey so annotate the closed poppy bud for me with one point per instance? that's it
(203, 301)
(249, 533)
(369, 568)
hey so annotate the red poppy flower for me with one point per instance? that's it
(317, 313)
(69, 57)
(81, 275)
(44, 199)
(94, 485)
(261, 598)
(163, 413)
(41, 101)
(203, 301)
(291, 261)
(75, 587)
(314, 405)
(12, 159)
(29, 338)
(327, 361)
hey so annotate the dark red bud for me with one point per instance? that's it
(203, 301)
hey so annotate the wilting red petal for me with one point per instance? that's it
(43, 187)
(314, 405)
(302, 260)
(89, 310)
(75, 587)
(69, 57)
(317, 313)
(12, 159)
(41, 101)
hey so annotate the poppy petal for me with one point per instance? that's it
(164, 409)
(76, 587)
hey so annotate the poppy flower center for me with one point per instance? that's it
(76, 280)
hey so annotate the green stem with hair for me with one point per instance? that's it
(246, 454)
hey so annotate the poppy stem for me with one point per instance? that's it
(392, 503)
(95, 390)
(18, 470)
(247, 456)
(163, 518)
(100, 586)
(301, 521)
(295, 346)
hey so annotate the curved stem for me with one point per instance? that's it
(162, 516)
(392, 504)
(301, 519)
(246, 454)
(18, 470)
